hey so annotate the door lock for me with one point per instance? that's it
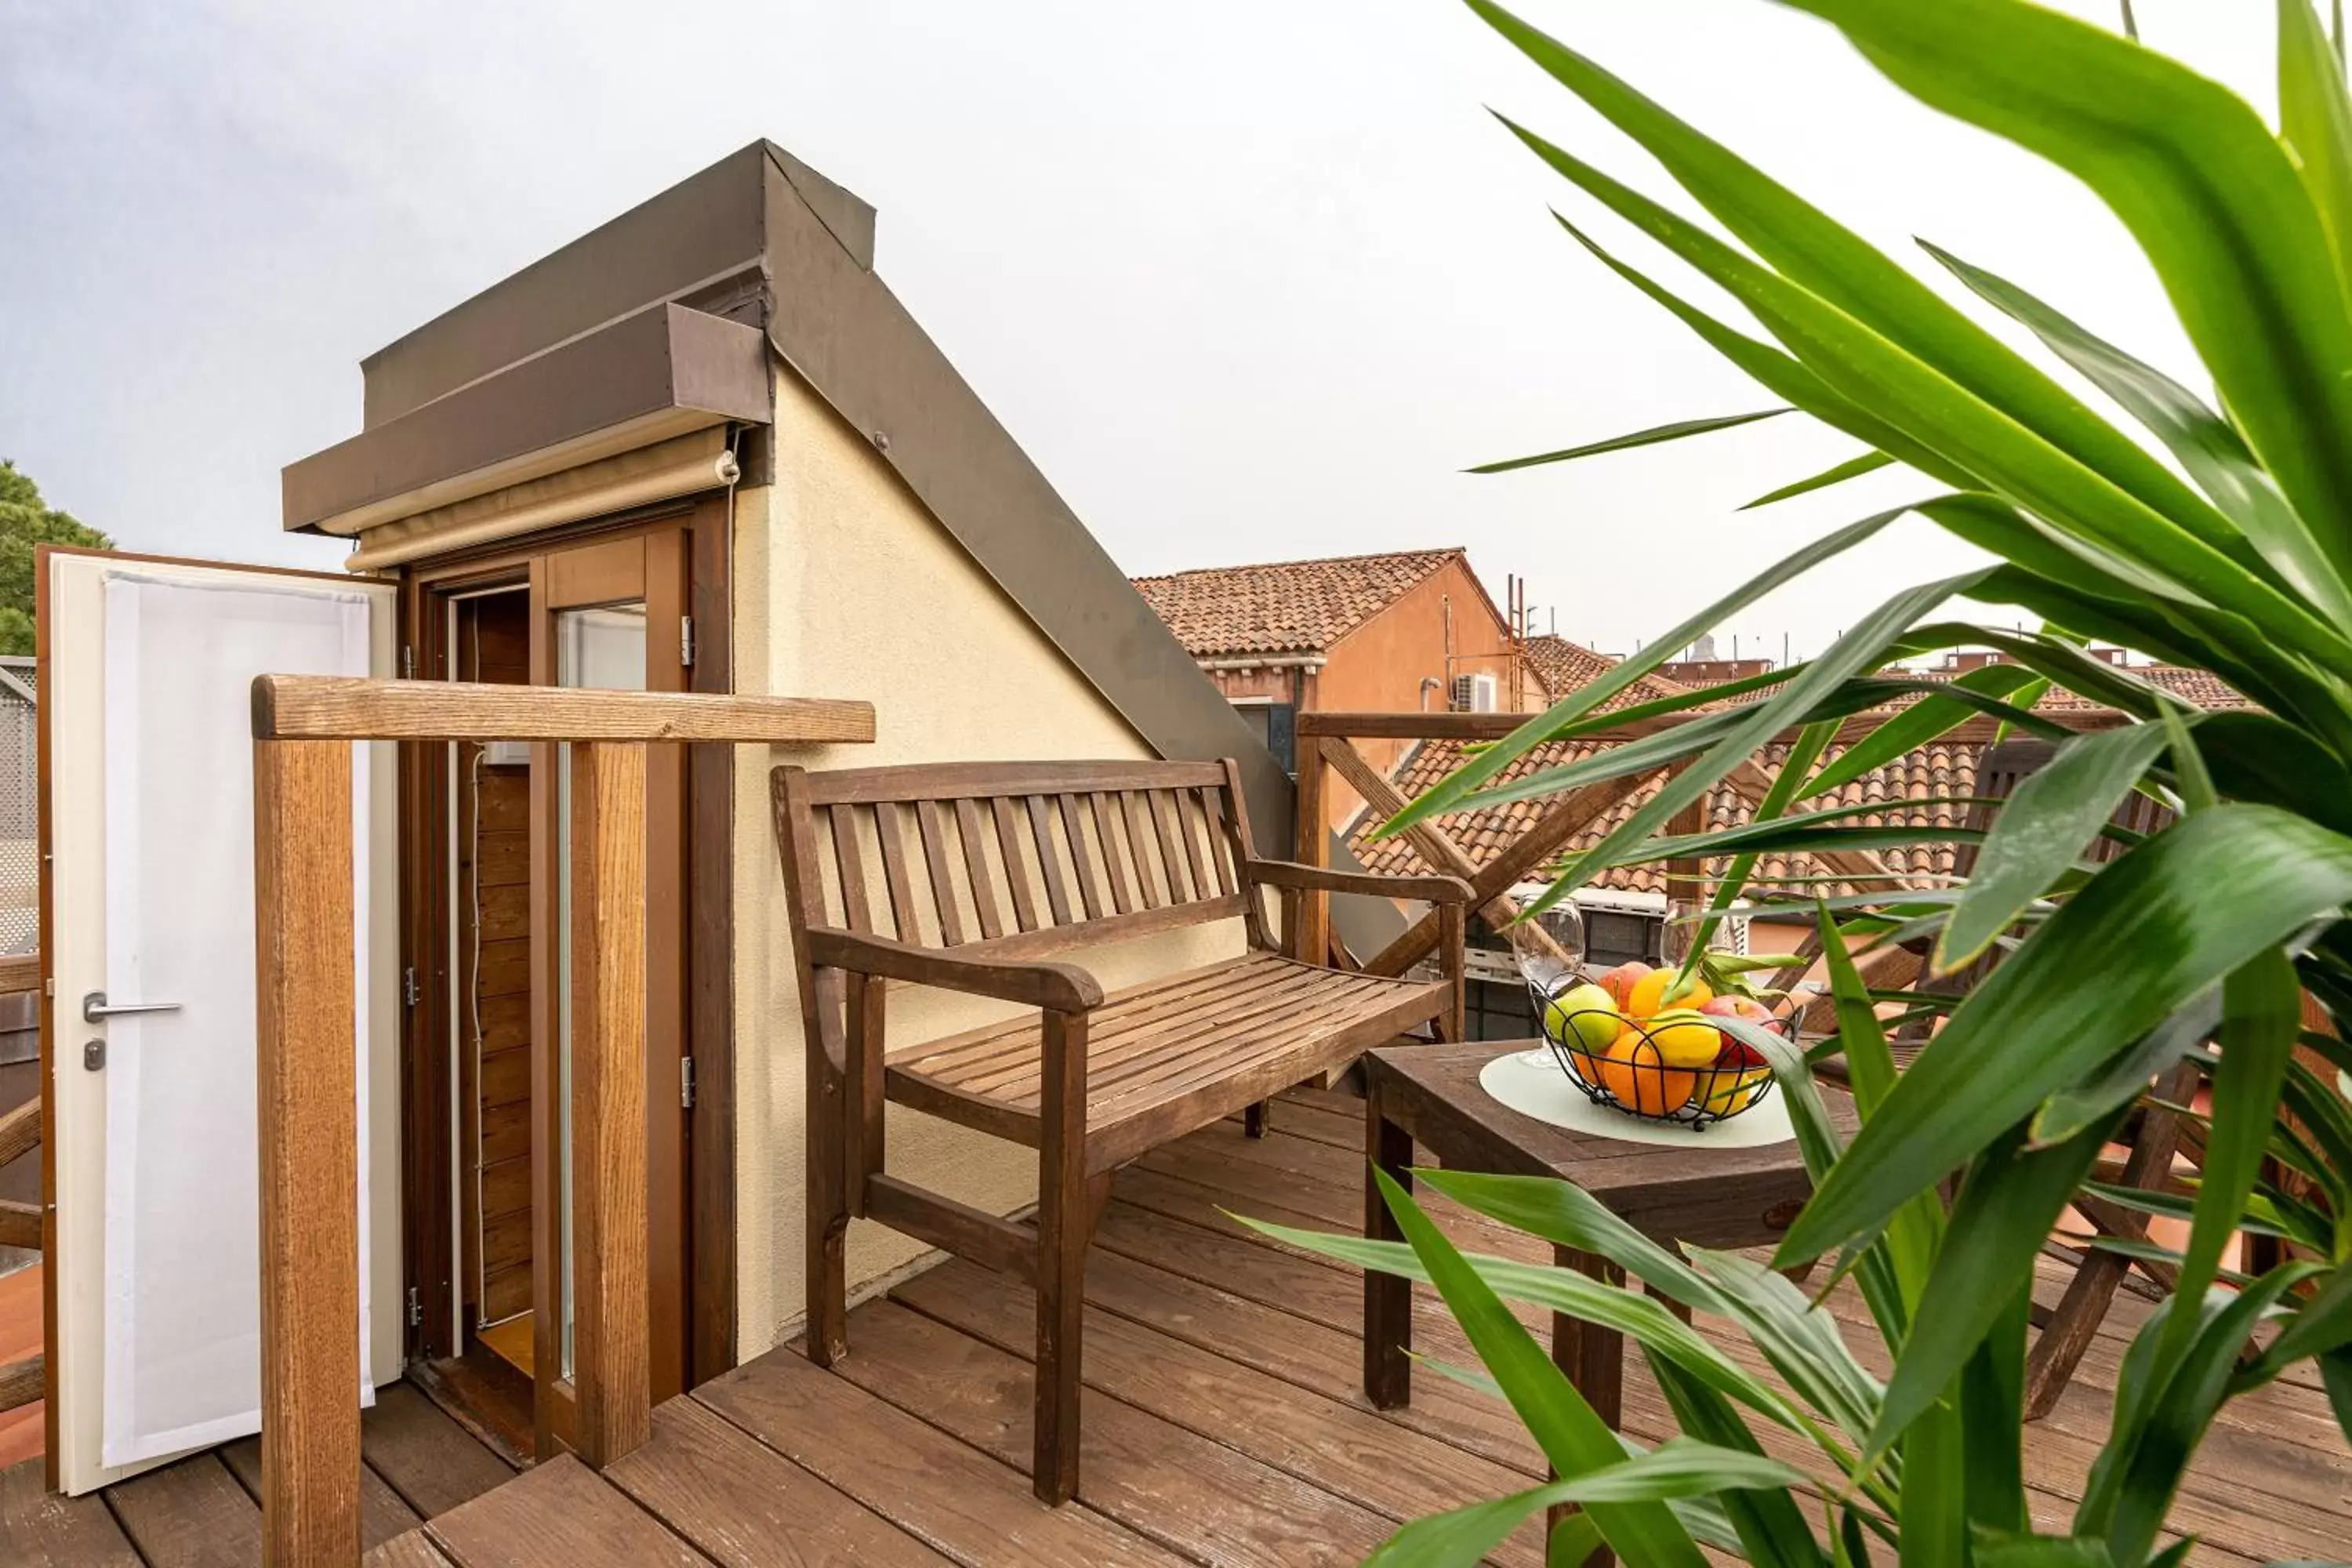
(97, 1009)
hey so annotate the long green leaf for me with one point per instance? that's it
(1835, 474)
(1917, 726)
(1935, 1522)
(2157, 926)
(1774, 369)
(2131, 1512)
(2208, 445)
(2007, 1207)
(1449, 792)
(2054, 813)
(2262, 1011)
(1571, 1434)
(2192, 171)
(1827, 259)
(1913, 1234)
(1650, 438)
(1860, 648)
(1973, 434)
(1993, 1411)
(2127, 1076)
(2315, 123)
(1768, 1527)
(1678, 1467)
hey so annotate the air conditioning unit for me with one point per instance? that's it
(1472, 694)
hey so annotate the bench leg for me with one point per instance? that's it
(1063, 1232)
(1388, 1298)
(828, 1229)
(1258, 1120)
(1065, 1213)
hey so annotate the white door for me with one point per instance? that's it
(147, 743)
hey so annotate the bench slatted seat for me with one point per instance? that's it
(965, 877)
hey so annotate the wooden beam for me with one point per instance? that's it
(1309, 933)
(1580, 809)
(22, 972)
(612, 1370)
(335, 708)
(20, 1224)
(1427, 838)
(305, 1076)
(20, 1131)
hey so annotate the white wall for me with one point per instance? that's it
(846, 586)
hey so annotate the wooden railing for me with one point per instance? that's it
(310, 1151)
(1327, 748)
(21, 1382)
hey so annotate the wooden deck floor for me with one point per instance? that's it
(1222, 1421)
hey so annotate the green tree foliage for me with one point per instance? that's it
(26, 520)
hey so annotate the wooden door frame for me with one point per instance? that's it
(711, 1284)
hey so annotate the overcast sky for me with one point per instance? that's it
(1250, 279)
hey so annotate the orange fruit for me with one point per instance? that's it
(1649, 993)
(1634, 1073)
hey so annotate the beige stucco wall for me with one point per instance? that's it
(845, 586)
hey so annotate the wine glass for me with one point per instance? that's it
(1550, 952)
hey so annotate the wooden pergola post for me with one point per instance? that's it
(306, 1066)
(307, 1050)
(611, 1366)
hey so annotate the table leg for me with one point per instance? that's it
(1387, 1298)
(1594, 1359)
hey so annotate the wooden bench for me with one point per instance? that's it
(961, 875)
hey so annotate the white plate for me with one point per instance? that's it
(1533, 1083)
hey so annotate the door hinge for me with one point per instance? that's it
(686, 1083)
(411, 992)
(415, 1308)
(407, 661)
(686, 641)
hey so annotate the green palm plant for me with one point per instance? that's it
(2198, 944)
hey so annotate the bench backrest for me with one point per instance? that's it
(1014, 858)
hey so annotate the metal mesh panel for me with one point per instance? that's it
(20, 860)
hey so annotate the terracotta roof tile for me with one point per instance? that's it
(1565, 666)
(1284, 607)
(1926, 787)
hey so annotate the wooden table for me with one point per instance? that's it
(1430, 1095)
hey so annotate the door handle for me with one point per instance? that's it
(95, 1008)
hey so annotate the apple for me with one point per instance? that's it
(1619, 982)
(1582, 1019)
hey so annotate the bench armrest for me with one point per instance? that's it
(1435, 889)
(1059, 988)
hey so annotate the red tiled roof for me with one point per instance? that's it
(2201, 686)
(1919, 789)
(1284, 607)
(1926, 788)
(1565, 666)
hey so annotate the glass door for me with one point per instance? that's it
(610, 616)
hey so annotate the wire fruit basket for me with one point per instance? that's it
(1675, 1067)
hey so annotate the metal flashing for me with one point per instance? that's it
(661, 373)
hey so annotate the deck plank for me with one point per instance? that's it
(1213, 1504)
(413, 1550)
(955, 1498)
(1342, 1448)
(424, 1455)
(745, 1505)
(383, 1513)
(40, 1529)
(559, 1511)
(191, 1514)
